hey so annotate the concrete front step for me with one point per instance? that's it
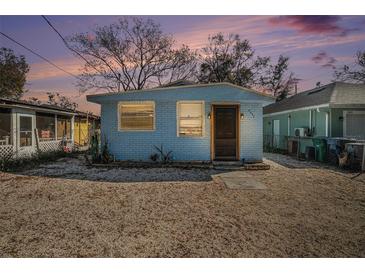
(237, 165)
(257, 166)
(228, 165)
(228, 168)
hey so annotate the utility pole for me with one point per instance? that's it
(119, 82)
(296, 81)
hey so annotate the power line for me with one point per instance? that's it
(67, 45)
(40, 56)
(64, 40)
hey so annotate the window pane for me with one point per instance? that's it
(25, 123)
(355, 125)
(25, 138)
(137, 116)
(5, 126)
(25, 131)
(46, 126)
(190, 119)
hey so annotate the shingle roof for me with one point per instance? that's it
(7, 101)
(348, 94)
(336, 94)
(178, 83)
(45, 107)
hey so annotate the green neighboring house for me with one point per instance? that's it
(333, 110)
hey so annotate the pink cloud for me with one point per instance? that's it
(248, 27)
(324, 60)
(43, 70)
(318, 24)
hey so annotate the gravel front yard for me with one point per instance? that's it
(76, 168)
(304, 212)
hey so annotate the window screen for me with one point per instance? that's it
(25, 131)
(190, 119)
(45, 124)
(355, 125)
(137, 116)
(5, 126)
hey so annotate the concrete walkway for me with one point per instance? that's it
(239, 180)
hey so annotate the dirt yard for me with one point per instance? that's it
(304, 212)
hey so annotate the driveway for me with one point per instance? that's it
(302, 212)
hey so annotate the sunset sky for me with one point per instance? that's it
(315, 44)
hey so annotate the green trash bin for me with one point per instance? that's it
(320, 146)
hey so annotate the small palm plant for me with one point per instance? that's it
(165, 157)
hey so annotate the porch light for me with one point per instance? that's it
(209, 116)
(242, 116)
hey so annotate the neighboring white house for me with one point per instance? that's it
(26, 128)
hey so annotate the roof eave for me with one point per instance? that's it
(339, 105)
(95, 96)
(40, 109)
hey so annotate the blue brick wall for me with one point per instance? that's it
(138, 145)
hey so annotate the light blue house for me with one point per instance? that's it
(204, 122)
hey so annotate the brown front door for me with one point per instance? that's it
(225, 132)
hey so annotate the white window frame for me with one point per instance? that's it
(345, 112)
(178, 103)
(136, 103)
(310, 120)
(327, 123)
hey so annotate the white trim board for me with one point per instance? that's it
(38, 109)
(327, 125)
(296, 109)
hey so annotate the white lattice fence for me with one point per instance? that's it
(50, 146)
(6, 151)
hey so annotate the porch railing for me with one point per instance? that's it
(49, 146)
(5, 141)
(6, 151)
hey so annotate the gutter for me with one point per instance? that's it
(296, 109)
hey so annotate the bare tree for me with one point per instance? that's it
(56, 99)
(183, 63)
(34, 100)
(277, 80)
(356, 74)
(131, 54)
(231, 59)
